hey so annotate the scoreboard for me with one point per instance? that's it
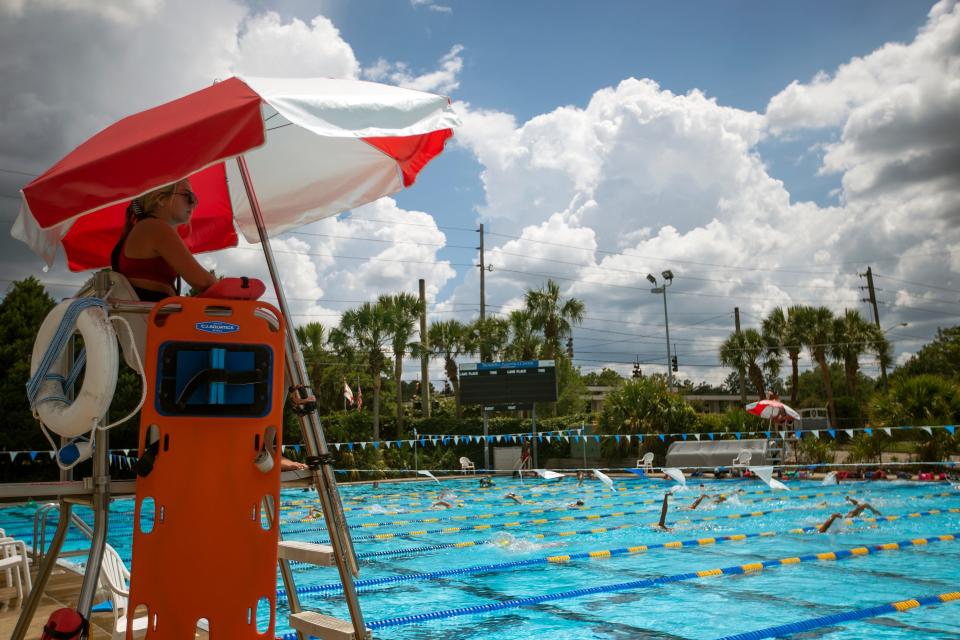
(508, 385)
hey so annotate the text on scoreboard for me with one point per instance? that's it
(505, 383)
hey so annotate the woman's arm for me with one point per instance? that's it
(170, 247)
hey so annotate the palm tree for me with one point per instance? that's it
(853, 336)
(403, 310)
(553, 316)
(524, 343)
(312, 338)
(449, 339)
(366, 331)
(783, 329)
(816, 326)
(746, 350)
(492, 334)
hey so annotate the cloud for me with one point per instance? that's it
(641, 179)
(429, 4)
(444, 80)
(270, 47)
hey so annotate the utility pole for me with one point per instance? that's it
(425, 353)
(743, 383)
(876, 319)
(484, 357)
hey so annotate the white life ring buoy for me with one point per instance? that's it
(71, 419)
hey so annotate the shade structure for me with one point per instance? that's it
(315, 147)
(767, 409)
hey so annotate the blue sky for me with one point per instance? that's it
(825, 142)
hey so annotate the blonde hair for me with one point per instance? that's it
(140, 207)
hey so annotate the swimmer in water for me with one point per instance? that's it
(722, 497)
(829, 522)
(514, 497)
(860, 507)
(662, 525)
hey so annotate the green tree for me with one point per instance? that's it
(605, 378)
(816, 328)
(852, 337)
(312, 338)
(403, 310)
(553, 316)
(644, 405)
(492, 337)
(365, 333)
(450, 339)
(939, 357)
(920, 400)
(525, 342)
(746, 350)
(782, 332)
(22, 311)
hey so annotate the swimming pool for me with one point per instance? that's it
(452, 566)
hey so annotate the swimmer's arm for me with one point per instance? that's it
(171, 248)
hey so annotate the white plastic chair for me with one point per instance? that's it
(15, 563)
(466, 465)
(646, 462)
(114, 577)
(743, 458)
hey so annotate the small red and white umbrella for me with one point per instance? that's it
(770, 409)
(314, 147)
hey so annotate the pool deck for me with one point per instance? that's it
(62, 590)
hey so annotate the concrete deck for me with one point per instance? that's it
(62, 590)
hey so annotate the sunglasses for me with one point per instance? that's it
(191, 197)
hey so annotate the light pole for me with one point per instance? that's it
(667, 281)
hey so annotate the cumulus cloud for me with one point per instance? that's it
(641, 179)
(269, 47)
(443, 80)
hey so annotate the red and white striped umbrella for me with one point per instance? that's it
(768, 409)
(314, 148)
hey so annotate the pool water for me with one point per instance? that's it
(400, 536)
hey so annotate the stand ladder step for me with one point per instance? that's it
(318, 554)
(324, 627)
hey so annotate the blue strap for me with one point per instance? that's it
(55, 349)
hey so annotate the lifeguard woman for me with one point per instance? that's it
(150, 252)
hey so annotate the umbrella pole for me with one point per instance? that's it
(315, 440)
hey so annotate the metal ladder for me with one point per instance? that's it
(40, 532)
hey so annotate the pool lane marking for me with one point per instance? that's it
(846, 616)
(400, 523)
(541, 536)
(336, 587)
(751, 568)
(785, 496)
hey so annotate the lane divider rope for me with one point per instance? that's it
(846, 616)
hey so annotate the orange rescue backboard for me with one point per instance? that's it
(210, 442)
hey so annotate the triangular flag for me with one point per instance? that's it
(736, 434)
(618, 439)
(628, 438)
(849, 432)
(868, 431)
(816, 434)
(683, 435)
(711, 435)
(928, 430)
(697, 436)
(336, 445)
(596, 438)
(949, 428)
(888, 431)
(833, 433)
(662, 437)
